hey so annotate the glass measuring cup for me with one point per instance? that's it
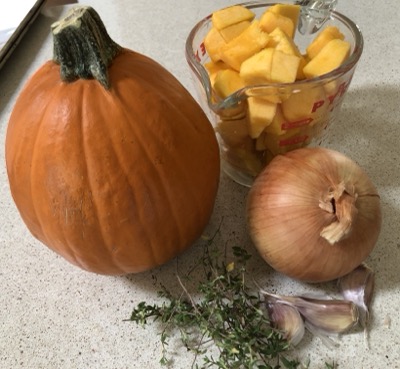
(305, 109)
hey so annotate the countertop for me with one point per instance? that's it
(56, 316)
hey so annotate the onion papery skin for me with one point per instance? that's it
(285, 219)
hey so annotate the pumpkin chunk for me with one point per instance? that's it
(332, 55)
(213, 43)
(269, 21)
(291, 11)
(230, 32)
(261, 114)
(249, 42)
(327, 34)
(257, 69)
(227, 81)
(284, 67)
(231, 15)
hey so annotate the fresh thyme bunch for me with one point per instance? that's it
(224, 313)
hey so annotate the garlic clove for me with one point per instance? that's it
(287, 319)
(328, 341)
(358, 287)
(330, 316)
(327, 315)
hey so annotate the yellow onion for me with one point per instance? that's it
(314, 214)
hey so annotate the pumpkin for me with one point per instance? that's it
(111, 162)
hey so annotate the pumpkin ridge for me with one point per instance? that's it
(70, 249)
(121, 108)
(69, 246)
(198, 203)
(160, 177)
(107, 241)
(47, 110)
(15, 156)
(110, 244)
(79, 119)
(180, 166)
(194, 127)
(144, 60)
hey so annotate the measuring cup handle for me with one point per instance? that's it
(314, 13)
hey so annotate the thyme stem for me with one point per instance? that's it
(227, 315)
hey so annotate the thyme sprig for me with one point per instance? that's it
(223, 316)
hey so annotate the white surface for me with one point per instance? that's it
(13, 12)
(54, 315)
(11, 15)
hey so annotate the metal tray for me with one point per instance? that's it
(10, 37)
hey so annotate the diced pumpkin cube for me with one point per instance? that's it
(308, 103)
(213, 68)
(213, 43)
(233, 14)
(269, 21)
(246, 158)
(253, 164)
(291, 11)
(260, 115)
(271, 142)
(230, 32)
(248, 43)
(332, 55)
(226, 82)
(260, 142)
(257, 68)
(276, 126)
(233, 132)
(327, 34)
(284, 67)
(300, 73)
(282, 42)
(257, 71)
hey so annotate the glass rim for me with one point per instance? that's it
(202, 74)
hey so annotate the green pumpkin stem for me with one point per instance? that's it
(82, 46)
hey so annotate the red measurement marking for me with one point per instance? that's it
(317, 105)
(202, 49)
(297, 123)
(293, 140)
(200, 52)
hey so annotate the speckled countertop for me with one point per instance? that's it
(55, 316)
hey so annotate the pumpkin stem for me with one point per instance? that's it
(343, 204)
(82, 46)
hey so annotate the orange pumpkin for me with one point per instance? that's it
(116, 176)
